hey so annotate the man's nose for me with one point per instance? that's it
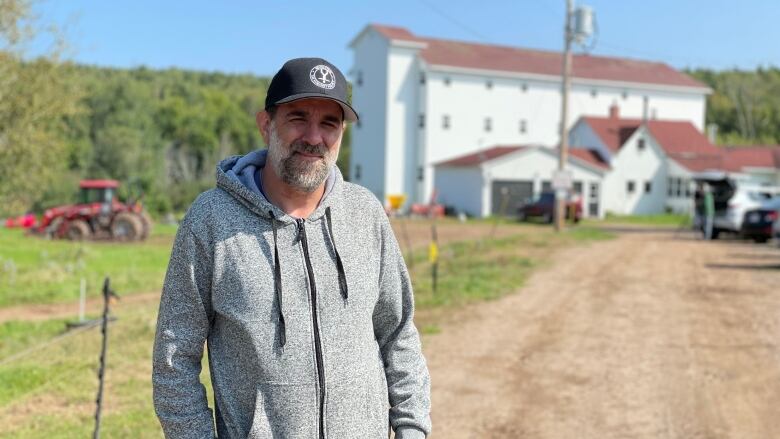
(314, 135)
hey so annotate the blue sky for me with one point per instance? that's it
(258, 36)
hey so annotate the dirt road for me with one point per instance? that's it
(644, 336)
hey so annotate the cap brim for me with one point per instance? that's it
(349, 113)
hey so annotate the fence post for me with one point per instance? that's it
(107, 294)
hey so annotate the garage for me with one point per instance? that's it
(496, 180)
(508, 194)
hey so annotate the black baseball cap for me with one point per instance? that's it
(303, 78)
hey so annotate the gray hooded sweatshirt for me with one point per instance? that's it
(308, 322)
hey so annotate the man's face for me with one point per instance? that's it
(303, 138)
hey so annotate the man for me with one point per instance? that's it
(294, 279)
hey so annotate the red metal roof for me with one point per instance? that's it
(588, 155)
(482, 156)
(98, 184)
(755, 156)
(672, 135)
(517, 60)
(485, 155)
(699, 162)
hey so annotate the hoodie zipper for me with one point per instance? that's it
(315, 323)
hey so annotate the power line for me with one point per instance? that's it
(455, 21)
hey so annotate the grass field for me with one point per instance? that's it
(659, 220)
(50, 392)
(36, 270)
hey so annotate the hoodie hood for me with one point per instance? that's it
(240, 176)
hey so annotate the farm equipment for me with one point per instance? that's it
(98, 215)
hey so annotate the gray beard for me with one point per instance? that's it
(299, 173)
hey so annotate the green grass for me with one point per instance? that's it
(36, 270)
(50, 392)
(664, 219)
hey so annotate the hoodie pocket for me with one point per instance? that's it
(355, 410)
(284, 411)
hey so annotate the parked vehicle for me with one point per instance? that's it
(544, 207)
(732, 200)
(761, 224)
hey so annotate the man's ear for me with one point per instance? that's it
(263, 120)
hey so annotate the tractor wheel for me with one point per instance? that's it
(78, 230)
(147, 222)
(127, 227)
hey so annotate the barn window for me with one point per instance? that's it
(422, 121)
(648, 187)
(489, 84)
(524, 87)
(445, 121)
(640, 144)
(447, 81)
(624, 95)
(488, 124)
(594, 93)
(420, 173)
(630, 187)
(523, 126)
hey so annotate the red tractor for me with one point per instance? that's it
(98, 215)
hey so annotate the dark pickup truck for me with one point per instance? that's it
(544, 208)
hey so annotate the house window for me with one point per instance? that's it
(445, 121)
(420, 173)
(489, 84)
(524, 87)
(594, 93)
(488, 124)
(630, 187)
(648, 187)
(670, 187)
(422, 78)
(679, 187)
(359, 79)
(640, 144)
(523, 126)
(422, 121)
(624, 95)
(358, 170)
(447, 81)
(688, 189)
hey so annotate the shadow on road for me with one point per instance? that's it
(745, 266)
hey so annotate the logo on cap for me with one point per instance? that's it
(322, 76)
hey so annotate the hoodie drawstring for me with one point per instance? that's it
(339, 264)
(278, 285)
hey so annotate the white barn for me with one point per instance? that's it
(423, 101)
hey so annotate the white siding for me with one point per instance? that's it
(370, 100)
(461, 187)
(631, 164)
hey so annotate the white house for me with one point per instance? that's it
(652, 162)
(424, 100)
(496, 180)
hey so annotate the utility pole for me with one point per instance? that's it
(563, 150)
(579, 26)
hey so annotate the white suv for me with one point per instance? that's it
(732, 200)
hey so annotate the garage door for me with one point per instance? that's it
(507, 195)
